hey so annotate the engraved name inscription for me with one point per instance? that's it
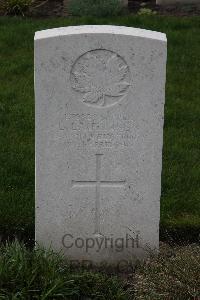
(102, 76)
(99, 131)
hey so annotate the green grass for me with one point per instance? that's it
(180, 200)
(41, 274)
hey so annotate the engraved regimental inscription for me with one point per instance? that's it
(102, 77)
(96, 130)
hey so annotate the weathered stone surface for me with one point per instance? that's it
(168, 2)
(99, 128)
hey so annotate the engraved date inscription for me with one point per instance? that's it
(94, 130)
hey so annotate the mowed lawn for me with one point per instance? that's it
(180, 200)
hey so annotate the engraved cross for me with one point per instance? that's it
(98, 183)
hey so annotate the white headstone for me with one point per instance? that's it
(99, 131)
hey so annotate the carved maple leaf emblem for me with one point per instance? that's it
(99, 77)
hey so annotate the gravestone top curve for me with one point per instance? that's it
(89, 29)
